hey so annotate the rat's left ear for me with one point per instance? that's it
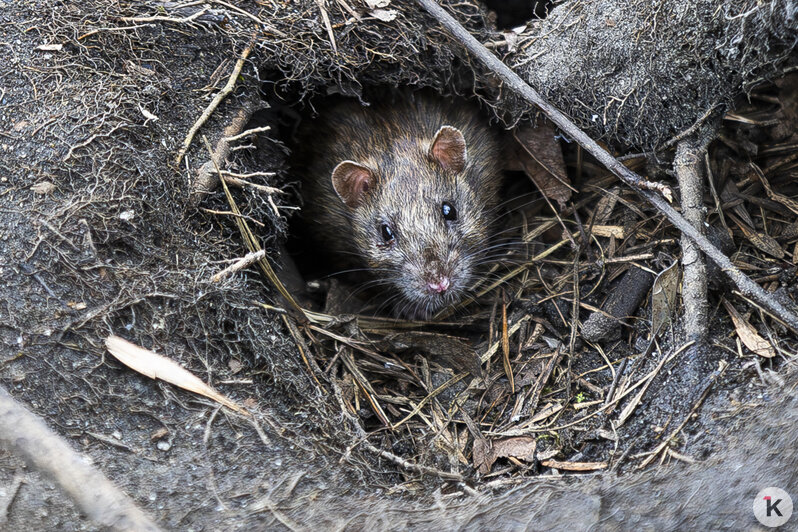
(449, 149)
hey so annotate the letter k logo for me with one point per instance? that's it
(772, 507)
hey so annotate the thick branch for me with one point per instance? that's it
(694, 288)
(24, 434)
(744, 284)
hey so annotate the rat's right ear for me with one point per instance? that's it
(352, 182)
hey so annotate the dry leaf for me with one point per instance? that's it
(663, 296)
(483, 458)
(605, 206)
(485, 453)
(731, 193)
(761, 241)
(540, 156)
(521, 447)
(748, 334)
(374, 4)
(159, 367)
(449, 351)
(775, 196)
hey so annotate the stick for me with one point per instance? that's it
(240, 264)
(490, 61)
(221, 95)
(688, 162)
(24, 434)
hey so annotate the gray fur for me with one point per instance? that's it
(394, 141)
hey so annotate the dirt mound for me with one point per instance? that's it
(101, 233)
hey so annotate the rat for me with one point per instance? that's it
(406, 191)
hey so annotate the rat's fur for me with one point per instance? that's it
(394, 142)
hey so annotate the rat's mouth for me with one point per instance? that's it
(428, 296)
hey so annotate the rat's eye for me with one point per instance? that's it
(387, 233)
(448, 211)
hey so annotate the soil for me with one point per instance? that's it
(99, 235)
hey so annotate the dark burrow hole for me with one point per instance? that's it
(513, 13)
(307, 270)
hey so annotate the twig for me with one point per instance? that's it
(221, 95)
(230, 180)
(240, 264)
(24, 434)
(743, 282)
(411, 466)
(247, 132)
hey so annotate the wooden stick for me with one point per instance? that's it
(490, 61)
(25, 435)
(221, 95)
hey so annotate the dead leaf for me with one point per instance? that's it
(731, 193)
(159, 367)
(663, 296)
(374, 4)
(521, 447)
(775, 196)
(748, 334)
(485, 453)
(605, 206)
(761, 241)
(540, 156)
(482, 456)
(450, 351)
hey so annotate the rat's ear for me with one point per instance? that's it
(352, 182)
(449, 149)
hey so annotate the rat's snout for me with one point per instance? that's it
(439, 285)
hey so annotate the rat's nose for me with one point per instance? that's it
(439, 286)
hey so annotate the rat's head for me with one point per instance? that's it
(420, 212)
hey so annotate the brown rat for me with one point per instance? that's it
(406, 191)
